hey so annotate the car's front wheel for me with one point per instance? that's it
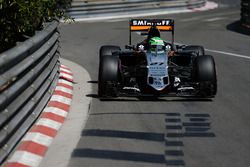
(107, 50)
(108, 76)
(204, 73)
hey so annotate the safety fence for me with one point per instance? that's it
(29, 73)
(245, 12)
(84, 8)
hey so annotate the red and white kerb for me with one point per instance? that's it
(35, 143)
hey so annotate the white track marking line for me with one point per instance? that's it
(228, 53)
(116, 20)
(222, 52)
(214, 19)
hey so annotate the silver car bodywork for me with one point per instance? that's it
(157, 70)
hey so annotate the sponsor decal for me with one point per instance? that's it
(151, 22)
(144, 25)
(141, 47)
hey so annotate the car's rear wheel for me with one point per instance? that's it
(198, 50)
(205, 75)
(108, 76)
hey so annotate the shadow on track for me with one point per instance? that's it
(157, 137)
(151, 99)
(237, 27)
(119, 155)
(179, 126)
(148, 98)
(93, 82)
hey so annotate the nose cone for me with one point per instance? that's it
(157, 70)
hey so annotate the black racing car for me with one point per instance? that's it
(151, 72)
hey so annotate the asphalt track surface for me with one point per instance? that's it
(169, 131)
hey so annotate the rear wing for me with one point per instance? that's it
(143, 25)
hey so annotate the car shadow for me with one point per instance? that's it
(92, 82)
(238, 28)
(180, 127)
(147, 98)
(151, 99)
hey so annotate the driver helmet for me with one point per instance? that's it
(153, 32)
(156, 44)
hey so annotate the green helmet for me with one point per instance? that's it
(156, 41)
(156, 44)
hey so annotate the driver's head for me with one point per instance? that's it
(153, 32)
(156, 44)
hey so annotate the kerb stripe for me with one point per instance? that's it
(53, 117)
(33, 147)
(26, 158)
(59, 105)
(35, 143)
(44, 130)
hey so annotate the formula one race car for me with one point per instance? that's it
(156, 67)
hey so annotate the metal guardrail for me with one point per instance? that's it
(28, 77)
(96, 7)
(245, 12)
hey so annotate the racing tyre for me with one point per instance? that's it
(108, 76)
(205, 75)
(107, 50)
(199, 50)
